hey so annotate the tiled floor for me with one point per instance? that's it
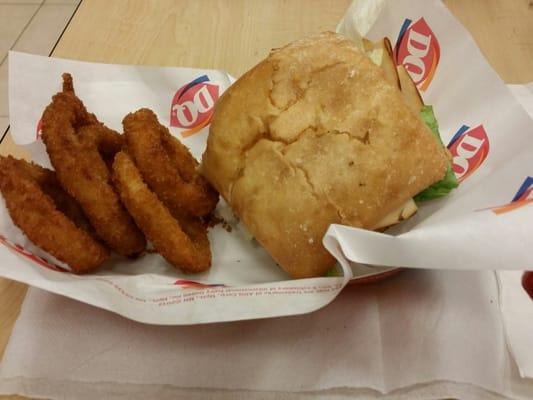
(31, 26)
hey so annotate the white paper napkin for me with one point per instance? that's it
(421, 334)
(517, 312)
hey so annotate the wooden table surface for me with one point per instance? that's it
(234, 35)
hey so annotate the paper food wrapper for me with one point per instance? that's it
(486, 222)
(243, 282)
(482, 225)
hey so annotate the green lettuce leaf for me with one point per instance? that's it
(449, 182)
(333, 272)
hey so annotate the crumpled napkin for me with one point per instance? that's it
(420, 334)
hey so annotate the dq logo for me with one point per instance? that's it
(418, 50)
(469, 148)
(192, 105)
(25, 253)
(523, 196)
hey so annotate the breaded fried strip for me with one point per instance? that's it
(36, 214)
(47, 180)
(167, 165)
(84, 174)
(156, 221)
(107, 141)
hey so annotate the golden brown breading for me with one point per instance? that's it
(191, 254)
(167, 166)
(84, 174)
(36, 214)
(49, 184)
(107, 141)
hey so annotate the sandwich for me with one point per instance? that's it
(320, 133)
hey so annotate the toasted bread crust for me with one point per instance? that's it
(315, 135)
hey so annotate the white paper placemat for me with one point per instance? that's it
(418, 332)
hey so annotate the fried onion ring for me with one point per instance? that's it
(107, 141)
(34, 200)
(83, 173)
(47, 180)
(91, 130)
(167, 166)
(185, 247)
